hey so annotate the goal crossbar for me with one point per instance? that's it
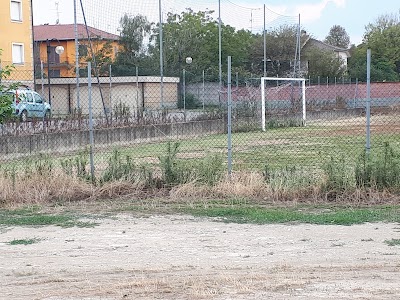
(303, 96)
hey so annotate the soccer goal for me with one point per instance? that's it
(288, 94)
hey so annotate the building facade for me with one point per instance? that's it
(16, 41)
(48, 37)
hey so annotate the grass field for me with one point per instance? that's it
(320, 158)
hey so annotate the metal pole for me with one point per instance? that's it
(48, 68)
(229, 117)
(203, 89)
(262, 105)
(161, 56)
(78, 102)
(265, 48)
(41, 74)
(137, 91)
(299, 45)
(368, 106)
(91, 139)
(110, 96)
(184, 93)
(303, 90)
(220, 51)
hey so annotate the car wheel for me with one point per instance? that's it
(47, 115)
(24, 116)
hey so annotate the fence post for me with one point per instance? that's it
(229, 117)
(91, 139)
(203, 89)
(110, 92)
(368, 105)
(184, 93)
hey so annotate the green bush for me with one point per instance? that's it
(207, 170)
(380, 169)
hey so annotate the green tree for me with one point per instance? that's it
(134, 31)
(383, 38)
(324, 63)
(195, 34)
(102, 54)
(5, 99)
(338, 37)
(280, 50)
(381, 68)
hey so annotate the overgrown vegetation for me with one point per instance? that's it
(189, 171)
(5, 99)
(378, 170)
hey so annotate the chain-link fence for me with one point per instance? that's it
(190, 123)
(138, 117)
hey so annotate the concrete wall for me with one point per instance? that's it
(61, 142)
(125, 91)
(69, 141)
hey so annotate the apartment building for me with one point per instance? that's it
(16, 40)
(48, 37)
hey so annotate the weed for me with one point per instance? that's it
(393, 242)
(287, 178)
(260, 215)
(77, 166)
(24, 242)
(31, 217)
(380, 170)
(339, 176)
(168, 164)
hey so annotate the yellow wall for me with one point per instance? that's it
(17, 32)
(67, 59)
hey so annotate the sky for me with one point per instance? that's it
(316, 16)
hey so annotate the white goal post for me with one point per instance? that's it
(263, 95)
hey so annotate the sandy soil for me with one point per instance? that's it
(180, 257)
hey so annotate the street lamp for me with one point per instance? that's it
(59, 50)
(188, 61)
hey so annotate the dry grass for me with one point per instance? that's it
(248, 186)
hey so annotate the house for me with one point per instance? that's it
(342, 53)
(48, 37)
(16, 39)
(309, 43)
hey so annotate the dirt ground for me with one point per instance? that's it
(182, 257)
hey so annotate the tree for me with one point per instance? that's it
(102, 53)
(324, 63)
(381, 68)
(5, 99)
(281, 50)
(195, 34)
(338, 37)
(134, 31)
(383, 38)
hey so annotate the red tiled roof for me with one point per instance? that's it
(67, 32)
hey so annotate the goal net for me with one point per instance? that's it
(283, 99)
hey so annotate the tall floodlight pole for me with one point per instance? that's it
(299, 43)
(78, 104)
(161, 56)
(265, 48)
(220, 51)
(368, 104)
(296, 67)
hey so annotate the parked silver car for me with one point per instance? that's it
(29, 104)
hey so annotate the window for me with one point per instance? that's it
(37, 98)
(17, 53)
(16, 10)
